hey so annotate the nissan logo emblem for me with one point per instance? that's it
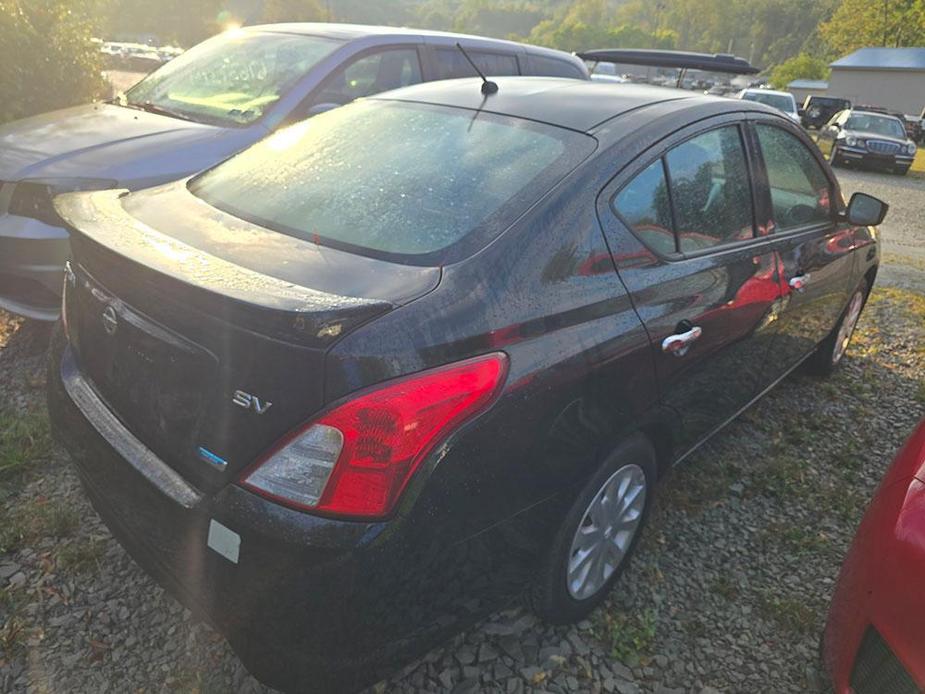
(110, 320)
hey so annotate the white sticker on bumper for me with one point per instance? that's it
(224, 541)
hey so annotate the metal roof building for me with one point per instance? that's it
(890, 77)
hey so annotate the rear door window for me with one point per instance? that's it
(553, 67)
(800, 190)
(710, 190)
(451, 64)
(371, 74)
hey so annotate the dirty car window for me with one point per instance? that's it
(392, 178)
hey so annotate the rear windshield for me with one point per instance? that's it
(406, 182)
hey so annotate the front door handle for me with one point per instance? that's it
(799, 282)
(679, 343)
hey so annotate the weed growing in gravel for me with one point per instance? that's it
(81, 556)
(629, 634)
(13, 631)
(790, 613)
(725, 587)
(796, 539)
(24, 440)
(25, 524)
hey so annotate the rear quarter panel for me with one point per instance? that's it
(547, 295)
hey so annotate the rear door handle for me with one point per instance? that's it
(799, 282)
(679, 343)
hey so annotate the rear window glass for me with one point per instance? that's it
(451, 63)
(395, 180)
(710, 190)
(644, 206)
(553, 67)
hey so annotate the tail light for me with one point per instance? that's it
(356, 460)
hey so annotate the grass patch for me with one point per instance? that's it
(628, 635)
(796, 539)
(26, 523)
(725, 587)
(890, 258)
(912, 304)
(13, 630)
(699, 484)
(82, 556)
(791, 614)
(25, 439)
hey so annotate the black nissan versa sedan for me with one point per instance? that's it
(403, 362)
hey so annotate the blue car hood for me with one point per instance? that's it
(112, 142)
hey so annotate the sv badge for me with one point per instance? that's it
(250, 402)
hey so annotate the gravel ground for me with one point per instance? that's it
(727, 592)
(904, 228)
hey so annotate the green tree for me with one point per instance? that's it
(594, 24)
(802, 66)
(859, 23)
(47, 58)
(293, 11)
(182, 22)
(494, 18)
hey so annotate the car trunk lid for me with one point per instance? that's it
(205, 359)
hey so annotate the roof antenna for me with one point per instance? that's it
(488, 87)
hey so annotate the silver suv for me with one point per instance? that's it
(216, 99)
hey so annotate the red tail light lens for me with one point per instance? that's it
(356, 460)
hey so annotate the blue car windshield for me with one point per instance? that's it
(395, 180)
(232, 79)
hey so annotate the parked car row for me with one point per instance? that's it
(397, 361)
(211, 102)
(850, 135)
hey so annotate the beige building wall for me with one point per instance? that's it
(900, 90)
(800, 94)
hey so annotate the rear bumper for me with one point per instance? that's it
(32, 257)
(309, 599)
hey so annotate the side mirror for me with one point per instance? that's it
(865, 210)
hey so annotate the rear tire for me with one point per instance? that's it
(831, 351)
(593, 545)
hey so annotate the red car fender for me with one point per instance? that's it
(882, 581)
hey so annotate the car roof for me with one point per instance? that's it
(757, 90)
(569, 103)
(350, 32)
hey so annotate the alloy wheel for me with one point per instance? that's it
(606, 532)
